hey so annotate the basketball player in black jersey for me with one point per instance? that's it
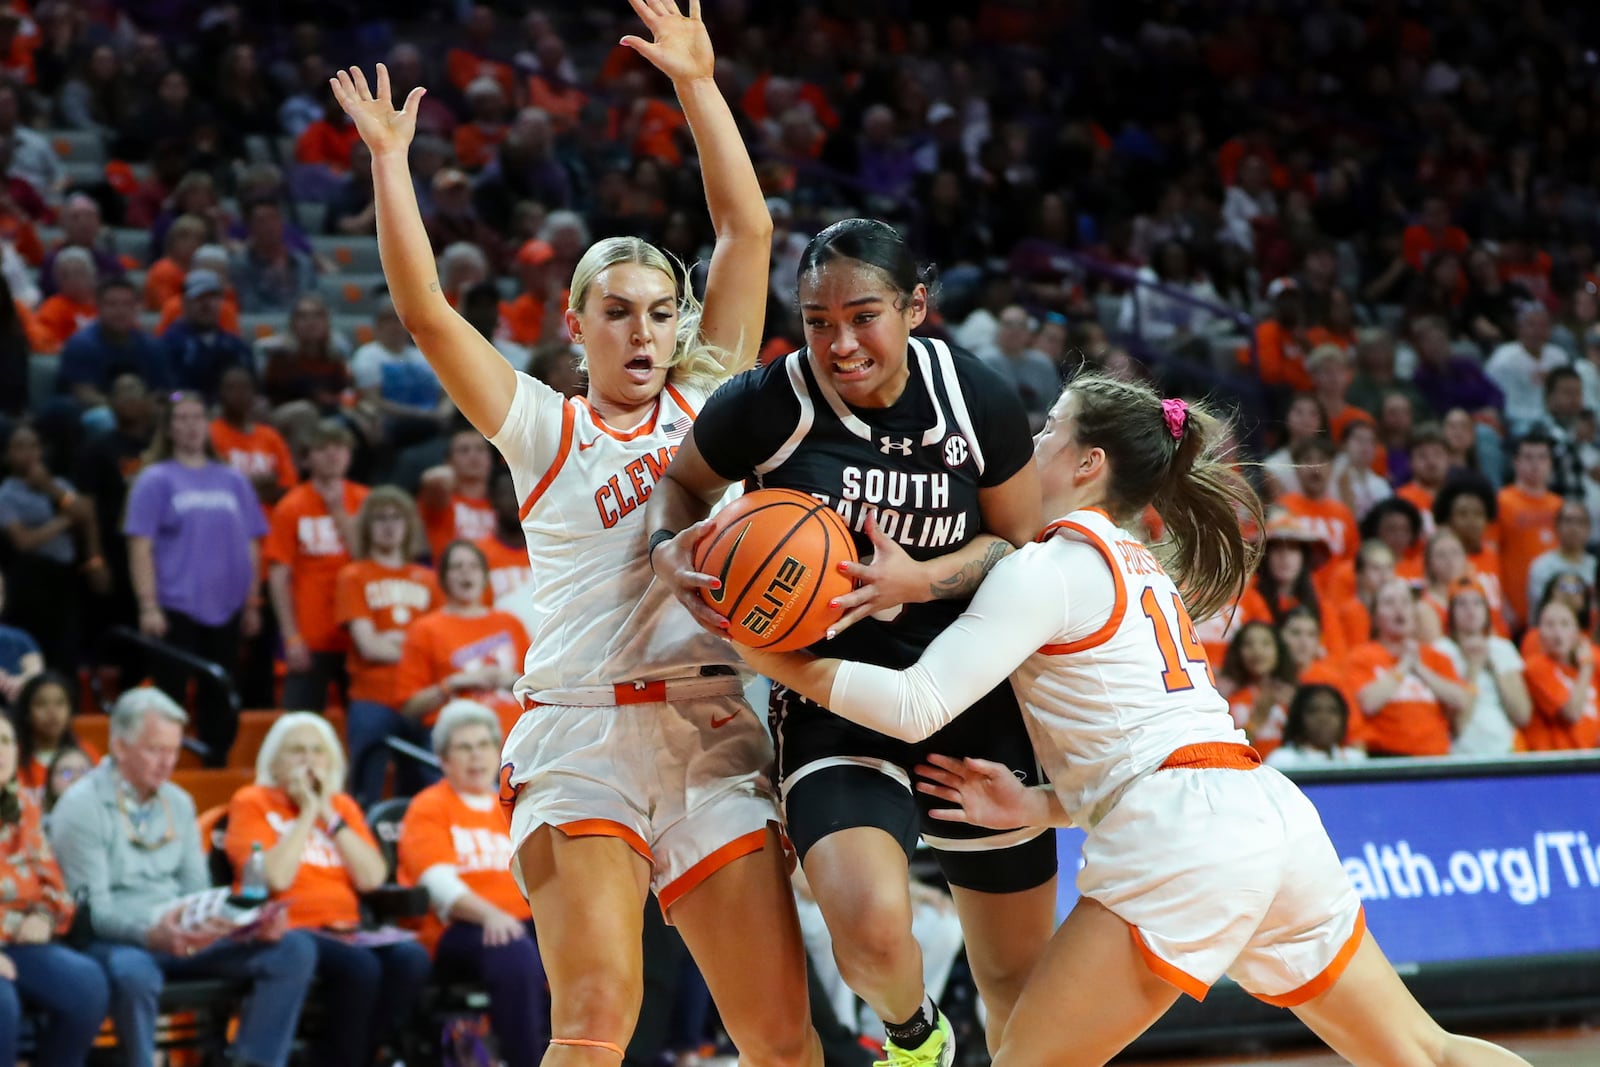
(926, 454)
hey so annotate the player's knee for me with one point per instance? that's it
(999, 981)
(874, 949)
(601, 1006)
(781, 1043)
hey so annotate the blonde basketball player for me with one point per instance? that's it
(1199, 861)
(637, 765)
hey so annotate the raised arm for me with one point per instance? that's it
(477, 378)
(736, 285)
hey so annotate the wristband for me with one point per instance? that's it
(657, 539)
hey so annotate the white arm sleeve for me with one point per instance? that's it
(1020, 606)
(444, 887)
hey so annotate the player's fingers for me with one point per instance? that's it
(696, 580)
(702, 529)
(643, 9)
(413, 100)
(983, 768)
(849, 619)
(360, 79)
(946, 763)
(937, 776)
(694, 10)
(949, 814)
(345, 87)
(859, 572)
(854, 599)
(383, 84)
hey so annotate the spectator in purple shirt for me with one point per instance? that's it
(193, 525)
(1447, 380)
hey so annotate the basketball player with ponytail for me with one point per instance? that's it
(1199, 861)
(636, 766)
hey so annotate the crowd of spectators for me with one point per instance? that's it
(1375, 225)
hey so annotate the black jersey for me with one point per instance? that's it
(916, 466)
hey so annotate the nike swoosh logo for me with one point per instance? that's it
(727, 561)
(717, 724)
(584, 447)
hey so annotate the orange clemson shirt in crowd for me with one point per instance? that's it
(509, 569)
(463, 518)
(60, 317)
(391, 598)
(1329, 519)
(321, 894)
(260, 451)
(1217, 633)
(1242, 706)
(443, 828)
(1413, 722)
(1527, 531)
(1550, 685)
(304, 538)
(441, 643)
(162, 282)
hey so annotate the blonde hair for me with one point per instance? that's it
(693, 362)
(388, 496)
(287, 723)
(1188, 478)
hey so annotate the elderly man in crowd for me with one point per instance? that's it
(127, 841)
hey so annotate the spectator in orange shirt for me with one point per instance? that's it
(1527, 511)
(1408, 693)
(454, 844)
(1292, 552)
(213, 258)
(1281, 343)
(506, 548)
(73, 305)
(454, 496)
(534, 316)
(327, 142)
(476, 139)
(1352, 610)
(1430, 466)
(379, 594)
(252, 448)
(1445, 566)
(164, 280)
(1561, 681)
(1398, 524)
(1257, 679)
(1312, 507)
(1302, 637)
(1332, 370)
(42, 717)
(1468, 506)
(319, 855)
(1431, 233)
(473, 60)
(310, 540)
(464, 648)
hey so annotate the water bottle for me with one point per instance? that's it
(253, 886)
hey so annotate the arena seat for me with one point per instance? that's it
(356, 254)
(77, 146)
(212, 786)
(42, 371)
(253, 727)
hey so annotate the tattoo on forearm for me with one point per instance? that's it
(964, 582)
(433, 287)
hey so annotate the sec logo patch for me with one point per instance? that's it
(956, 450)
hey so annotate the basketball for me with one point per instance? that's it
(777, 553)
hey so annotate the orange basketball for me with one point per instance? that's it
(777, 553)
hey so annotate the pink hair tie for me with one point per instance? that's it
(1176, 412)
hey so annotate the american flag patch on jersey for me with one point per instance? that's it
(677, 429)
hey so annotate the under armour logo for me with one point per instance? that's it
(955, 450)
(894, 446)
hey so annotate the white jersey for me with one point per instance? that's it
(598, 617)
(1101, 653)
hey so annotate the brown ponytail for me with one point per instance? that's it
(1176, 463)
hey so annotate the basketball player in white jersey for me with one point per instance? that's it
(1199, 862)
(638, 766)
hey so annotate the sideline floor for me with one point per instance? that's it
(1575, 1047)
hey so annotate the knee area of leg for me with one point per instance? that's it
(598, 1006)
(294, 956)
(133, 972)
(780, 1046)
(873, 944)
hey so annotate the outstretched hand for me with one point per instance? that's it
(985, 793)
(682, 48)
(673, 563)
(384, 129)
(885, 581)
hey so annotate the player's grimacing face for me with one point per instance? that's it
(857, 326)
(628, 330)
(1058, 455)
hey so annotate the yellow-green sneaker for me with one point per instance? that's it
(939, 1050)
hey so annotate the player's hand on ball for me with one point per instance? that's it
(673, 563)
(884, 582)
(384, 129)
(985, 793)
